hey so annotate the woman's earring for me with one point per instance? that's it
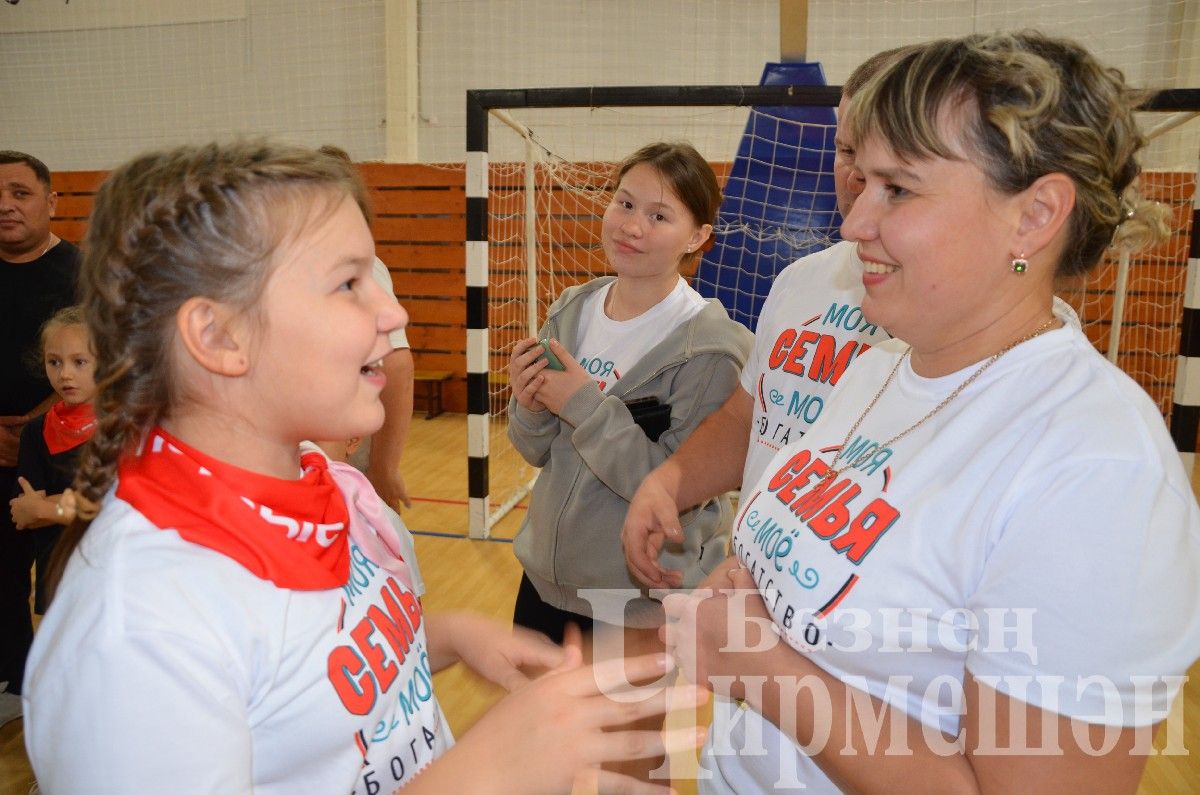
(1020, 264)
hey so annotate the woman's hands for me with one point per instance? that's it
(713, 631)
(538, 388)
(651, 521)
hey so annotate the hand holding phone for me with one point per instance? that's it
(548, 355)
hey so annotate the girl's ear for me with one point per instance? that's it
(215, 335)
(699, 237)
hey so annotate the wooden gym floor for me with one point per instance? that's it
(483, 576)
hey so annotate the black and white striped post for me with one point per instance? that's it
(478, 411)
(1185, 412)
(480, 103)
(1185, 408)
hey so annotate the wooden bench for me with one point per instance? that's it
(431, 389)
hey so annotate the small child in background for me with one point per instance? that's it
(342, 452)
(50, 444)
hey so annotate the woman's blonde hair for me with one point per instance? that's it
(166, 227)
(1028, 105)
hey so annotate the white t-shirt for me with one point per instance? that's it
(1045, 506)
(166, 666)
(811, 327)
(607, 347)
(809, 331)
(398, 338)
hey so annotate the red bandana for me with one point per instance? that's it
(291, 532)
(66, 426)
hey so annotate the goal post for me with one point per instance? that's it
(523, 160)
(482, 374)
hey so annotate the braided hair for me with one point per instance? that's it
(166, 227)
(1032, 105)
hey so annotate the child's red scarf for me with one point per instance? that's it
(291, 532)
(65, 427)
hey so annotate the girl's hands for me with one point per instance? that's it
(538, 388)
(549, 736)
(497, 653)
(557, 386)
(525, 367)
(29, 507)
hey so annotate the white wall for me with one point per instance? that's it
(1128, 34)
(536, 43)
(1152, 41)
(99, 88)
(92, 96)
(549, 43)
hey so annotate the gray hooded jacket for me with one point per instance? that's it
(594, 457)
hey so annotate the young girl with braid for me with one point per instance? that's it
(234, 616)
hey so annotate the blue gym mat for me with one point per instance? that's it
(781, 181)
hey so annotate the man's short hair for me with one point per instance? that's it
(335, 151)
(8, 156)
(869, 68)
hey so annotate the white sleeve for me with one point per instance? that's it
(398, 338)
(169, 715)
(764, 339)
(1106, 555)
(408, 549)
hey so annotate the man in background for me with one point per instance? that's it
(37, 278)
(810, 329)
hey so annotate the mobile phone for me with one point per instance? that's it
(651, 416)
(548, 355)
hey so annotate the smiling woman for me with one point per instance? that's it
(933, 236)
(986, 482)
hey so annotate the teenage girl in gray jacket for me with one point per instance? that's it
(641, 334)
